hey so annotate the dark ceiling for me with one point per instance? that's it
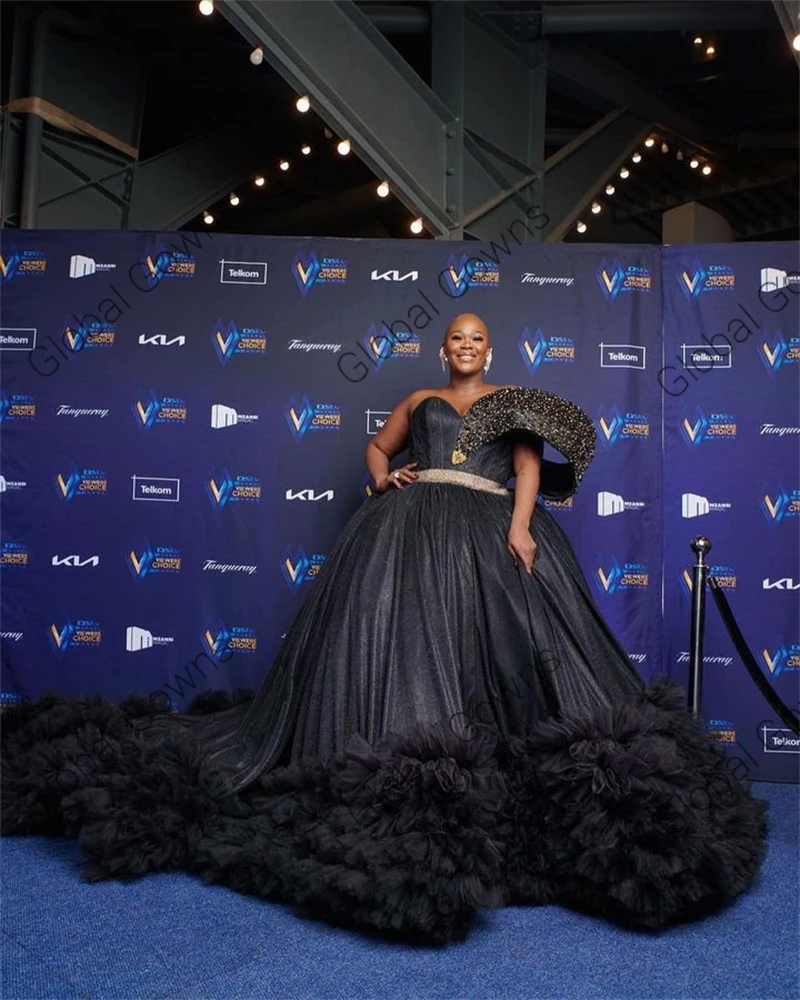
(745, 96)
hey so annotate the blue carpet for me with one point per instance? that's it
(172, 936)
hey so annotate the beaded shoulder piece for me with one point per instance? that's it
(563, 424)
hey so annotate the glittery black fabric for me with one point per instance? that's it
(439, 732)
(563, 424)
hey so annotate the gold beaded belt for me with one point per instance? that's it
(461, 479)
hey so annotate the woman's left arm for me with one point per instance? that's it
(527, 468)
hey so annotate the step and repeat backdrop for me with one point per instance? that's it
(184, 419)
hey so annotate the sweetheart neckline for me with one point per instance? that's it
(460, 416)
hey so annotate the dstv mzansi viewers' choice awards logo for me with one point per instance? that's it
(615, 280)
(14, 554)
(22, 263)
(383, 344)
(777, 351)
(80, 483)
(725, 576)
(714, 427)
(462, 272)
(78, 336)
(225, 489)
(160, 264)
(83, 632)
(309, 270)
(697, 280)
(229, 339)
(613, 426)
(611, 577)
(781, 657)
(17, 406)
(305, 417)
(237, 639)
(536, 349)
(149, 410)
(298, 568)
(144, 560)
(778, 505)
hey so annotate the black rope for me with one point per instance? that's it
(776, 703)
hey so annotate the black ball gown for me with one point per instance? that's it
(439, 732)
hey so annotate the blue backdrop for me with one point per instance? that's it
(185, 416)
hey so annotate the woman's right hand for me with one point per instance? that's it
(399, 479)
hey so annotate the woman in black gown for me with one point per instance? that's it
(449, 723)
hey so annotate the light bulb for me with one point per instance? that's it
(383, 189)
(679, 156)
(710, 51)
(650, 142)
(257, 56)
(624, 173)
(581, 227)
(698, 40)
(284, 164)
(343, 148)
(234, 200)
(664, 147)
(694, 163)
(596, 207)
(637, 157)
(206, 7)
(416, 226)
(707, 169)
(303, 104)
(610, 189)
(305, 150)
(208, 218)
(796, 42)
(259, 181)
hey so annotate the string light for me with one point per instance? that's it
(710, 51)
(383, 189)
(343, 148)
(637, 157)
(257, 56)
(610, 189)
(707, 169)
(206, 7)
(581, 227)
(208, 218)
(698, 40)
(305, 150)
(303, 104)
(624, 173)
(284, 164)
(416, 226)
(664, 147)
(650, 142)
(234, 200)
(679, 156)
(259, 181)
(694, 163)
(596, 208)
(796, 42)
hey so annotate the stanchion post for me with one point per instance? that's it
(701, 546)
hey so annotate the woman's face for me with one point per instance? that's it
(466, 344)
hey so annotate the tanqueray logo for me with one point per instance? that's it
(298, 568)
(309, 271)
(615, 279)
(775, 507)
(20, 263)
(229, 340)
(781, 658)
(696, 280)
(463, 272)
(779, 352)
(536, 349)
